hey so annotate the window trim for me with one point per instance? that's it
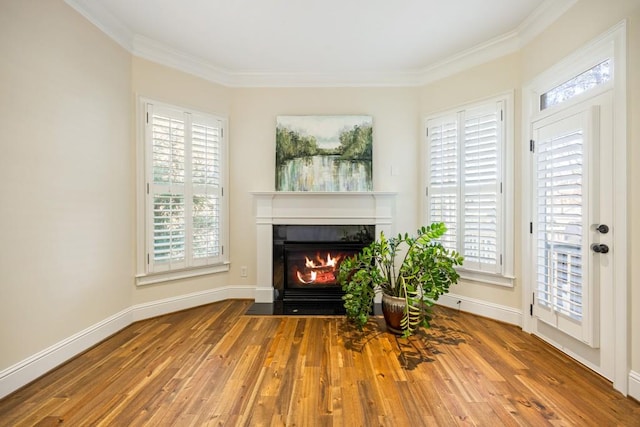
(143, 276)
(506, 277)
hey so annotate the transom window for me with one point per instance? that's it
(581, 83)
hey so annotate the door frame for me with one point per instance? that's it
(611, 44)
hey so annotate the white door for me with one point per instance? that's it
(571, 244)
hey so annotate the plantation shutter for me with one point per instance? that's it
(167, 189)
(559, 237)
(566, 183)
(207, 191)
(464, 175)
(481, 187)
(443, 176)
(184, 189)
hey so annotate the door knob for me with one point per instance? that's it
(602, 228)
(600, 248)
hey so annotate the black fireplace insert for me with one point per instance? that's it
(306, 259)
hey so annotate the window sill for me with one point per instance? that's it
(486, 278)
(151, 278)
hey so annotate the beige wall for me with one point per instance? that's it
(252, 117)
(254, 112)
(66, 168)
(68, 183)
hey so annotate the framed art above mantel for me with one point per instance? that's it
(324, 153)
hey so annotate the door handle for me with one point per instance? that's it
(600, 248)
(602, 228)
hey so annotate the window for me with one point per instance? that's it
(465, 180)
(595, 76)
(184, 200)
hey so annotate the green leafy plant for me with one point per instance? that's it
(426, 271)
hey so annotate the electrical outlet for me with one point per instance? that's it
(243, 271)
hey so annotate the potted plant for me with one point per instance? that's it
(409, 287)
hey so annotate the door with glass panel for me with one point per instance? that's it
(571, 245)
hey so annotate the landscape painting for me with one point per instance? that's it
(324, 153)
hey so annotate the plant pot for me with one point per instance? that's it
(393, 309)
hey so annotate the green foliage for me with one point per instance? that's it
(356, 144)
(426, 271)
(291, 145)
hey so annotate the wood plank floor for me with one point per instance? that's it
(213, 365)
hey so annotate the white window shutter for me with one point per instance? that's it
(166, 189)
(184, 189)
(481, 188)
(466, 156)
(207, 191)
(168, 231)
(559, 196)
(443, 176)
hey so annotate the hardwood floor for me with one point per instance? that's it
(213, 365)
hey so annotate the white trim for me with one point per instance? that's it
(505, 280)
(541, 18)
(620, 209)
(564, 349)
(482, 308)
(318, 208)
(167, 276)
(548, 12)
(634, 384)
(31, 368)
(141, 179)
(183, 302)
(99, 16)
(615, 41)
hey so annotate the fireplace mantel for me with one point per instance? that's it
(279, 207)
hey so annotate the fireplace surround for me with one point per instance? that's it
(374, 210)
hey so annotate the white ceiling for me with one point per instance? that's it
(328, 42)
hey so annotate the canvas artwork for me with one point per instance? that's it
(324, 153)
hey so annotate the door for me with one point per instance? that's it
(572, 178)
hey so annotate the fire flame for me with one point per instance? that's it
(312, 277)
(330, 262)
(318, 270)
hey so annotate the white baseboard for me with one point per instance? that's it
(22, 373)
(27, 370)
(634, 385)
(482, 308)
(264, 294)
(183, 302)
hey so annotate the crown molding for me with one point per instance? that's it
(477, 55)
(155, 51)
(152, 50)
(94, 12)
(541, 18)
(146, 48)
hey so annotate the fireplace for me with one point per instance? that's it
(306, 259)
(294, 210)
